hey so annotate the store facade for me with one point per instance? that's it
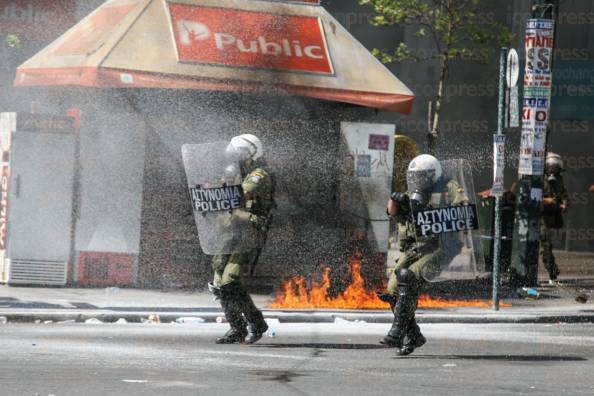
(150, 75)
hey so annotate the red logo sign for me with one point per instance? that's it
(224, 36)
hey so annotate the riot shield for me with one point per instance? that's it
(214, 182)
(446, 223)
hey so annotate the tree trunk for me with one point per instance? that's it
(433, 135)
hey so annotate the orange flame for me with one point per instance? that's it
(294, 294)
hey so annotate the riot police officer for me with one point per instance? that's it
(555, 204)
(419, 259)
(246, 321)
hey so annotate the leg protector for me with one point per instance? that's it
(548, 259)
(231, 305)
(256, 324)
(404, 310)
(551, 265)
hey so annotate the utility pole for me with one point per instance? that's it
(499, 142)
(539, 43)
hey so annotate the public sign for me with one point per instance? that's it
(250, 39)
(498, 164)
(512, 73)
(446, 219)
(537, 94)
(217, 199)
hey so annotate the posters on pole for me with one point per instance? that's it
(534, 128)
(514, 111)
(537, 94)
(498, 164)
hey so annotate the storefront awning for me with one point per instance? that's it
(222, 45)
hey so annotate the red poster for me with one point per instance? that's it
(106, 269)
(379, 142)
(5, 177)
(230, 37)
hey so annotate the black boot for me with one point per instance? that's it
(257, 326)
(404, 309)
(231, 304)
(391, 339)
(414, 339)
(394, 338)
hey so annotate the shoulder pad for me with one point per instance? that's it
(259, 173)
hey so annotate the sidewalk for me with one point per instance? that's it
(555, 304)
(30, 304)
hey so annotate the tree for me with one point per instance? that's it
(457, 30)
(12, 41)
(8, 44)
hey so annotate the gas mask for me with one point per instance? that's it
(418, 200)
(552, 177)
(232, 174)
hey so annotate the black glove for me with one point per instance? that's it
(400, 198)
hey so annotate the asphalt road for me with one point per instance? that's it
(303, 359)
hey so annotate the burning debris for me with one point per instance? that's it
(295, 293)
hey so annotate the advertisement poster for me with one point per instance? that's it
(498, 165)
(7, 125)
(537, 94)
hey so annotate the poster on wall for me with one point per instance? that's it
(365, 185)
(7, 126)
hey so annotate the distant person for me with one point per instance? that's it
(555, 204)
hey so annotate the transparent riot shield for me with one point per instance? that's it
(446, 223)
(214, 182)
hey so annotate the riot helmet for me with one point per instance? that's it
(245, 147)
(423, 172)
(553, 164)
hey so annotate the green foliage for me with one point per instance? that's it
(457, 28)
(13, 41)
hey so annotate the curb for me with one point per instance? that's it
(303, 317)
